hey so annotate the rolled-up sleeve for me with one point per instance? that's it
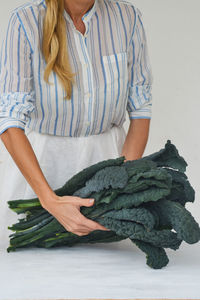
(139, 104)
(17, 96)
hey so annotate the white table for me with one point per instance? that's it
(115, 270)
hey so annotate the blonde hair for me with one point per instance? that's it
(54, 45)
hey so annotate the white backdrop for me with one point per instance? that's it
(172, 29)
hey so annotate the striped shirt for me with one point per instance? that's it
(111, 62)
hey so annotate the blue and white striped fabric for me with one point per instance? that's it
(111, 62)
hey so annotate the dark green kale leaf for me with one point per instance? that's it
(180, 219)
(133, 167)
(160, 238)
(137, 198)
(138, 215)
(157, 177)
(78, 180)
(168, 157)
(181, 190)
(156, 257)
(109, 177)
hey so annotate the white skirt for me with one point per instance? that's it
(59, 158)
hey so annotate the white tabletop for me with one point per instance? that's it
(115, 270)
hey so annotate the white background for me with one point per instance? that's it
(173, 34)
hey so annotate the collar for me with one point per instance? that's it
(86, 17)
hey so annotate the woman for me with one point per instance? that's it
(69, 71)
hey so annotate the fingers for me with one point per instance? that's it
(77, 201)
(92, 225)
(75, 222)
(84, 202)
(82, 225)
(75, 230)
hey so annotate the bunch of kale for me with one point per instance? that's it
(142, 199)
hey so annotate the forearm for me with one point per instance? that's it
(136, 139)
(19, 147)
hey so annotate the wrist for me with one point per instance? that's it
(48, 197)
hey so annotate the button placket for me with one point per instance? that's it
(87, 80)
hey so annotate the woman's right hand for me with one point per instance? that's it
(66, 209)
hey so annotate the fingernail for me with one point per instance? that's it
(91, 200)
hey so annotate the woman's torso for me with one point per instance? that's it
(100, 59)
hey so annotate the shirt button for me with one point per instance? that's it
(88, 95)
(87, 123)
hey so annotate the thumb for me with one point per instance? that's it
(87, 202)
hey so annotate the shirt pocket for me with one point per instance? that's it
(115, 87)
(115, 66)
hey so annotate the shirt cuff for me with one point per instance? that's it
(6, 123)
(143, 113)
(139, 105)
